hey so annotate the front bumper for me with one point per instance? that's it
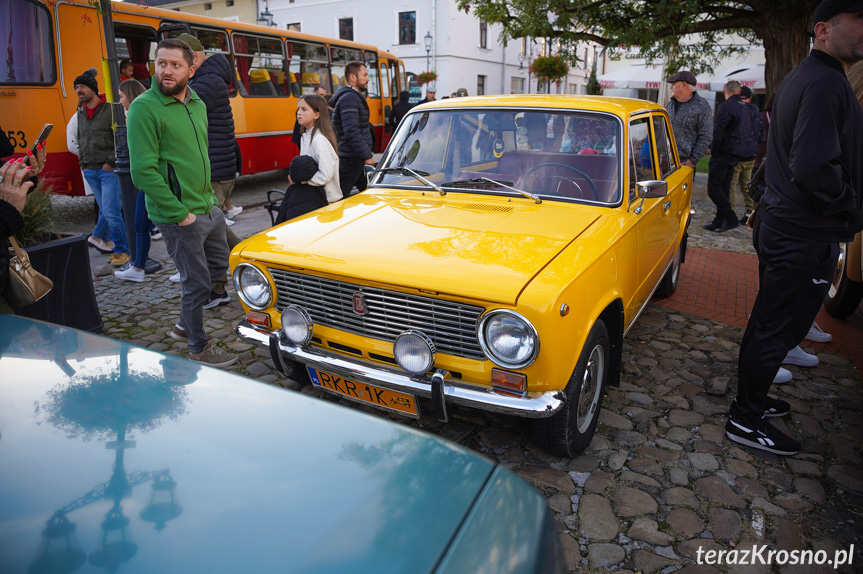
(538, 405)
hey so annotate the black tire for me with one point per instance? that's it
(669, 282)
(571, 429)
(844, 295)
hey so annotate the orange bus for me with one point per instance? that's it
(48, 44)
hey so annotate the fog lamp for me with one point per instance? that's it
(297, 325)
(414, 352)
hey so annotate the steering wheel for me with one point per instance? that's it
(583, 175)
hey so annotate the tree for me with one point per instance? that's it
(685, 31)
(593, 87)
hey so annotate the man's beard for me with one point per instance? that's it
(178, 86)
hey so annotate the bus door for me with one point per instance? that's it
(375, 101)
(388, 96)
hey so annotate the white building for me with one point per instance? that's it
(465, 52)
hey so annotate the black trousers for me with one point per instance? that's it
(719, 183)
(794, 275)
(352, 173)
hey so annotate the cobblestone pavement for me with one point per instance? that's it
(660, 481)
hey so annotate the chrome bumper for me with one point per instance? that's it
(536, 406)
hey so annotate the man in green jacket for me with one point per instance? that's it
(167, 134)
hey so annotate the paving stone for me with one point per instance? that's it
(679, 401)
(456, 431)
(633, 502)
(595, 519)
(703, 569)
(811, 489)
(804, 467)
(740, 468)
(788, 535)
(679, 496)
(647, 562)
(617, 460)
(639, 398)
(560, 503)
(847, 478)
(724, 524)
(690, 548)
(659, 454)
(703, 461)
(768, 507)
(603, 554)
(719, 385)
(258, 369)
(648, 530)
(684, 522)
(793, 503)
(685, 418)
(614, 420)
(639, 478)
(776, 477)
(547, 477)
(667, 444)
(751, 489)
(496, 437)
(598, 481)
(715, 490)
(645, 466)
(639, 414)
(712, 432)
(679, 476)
(679, 435)
(583, 463)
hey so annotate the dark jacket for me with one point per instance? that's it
(815, 151)
(400, 109)
(737, 131)
(692, 124)
(96, 137)
(211, 82)
(11, 223)
(351, 122)
(301, 197)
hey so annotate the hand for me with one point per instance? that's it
(371, 161)
(36, 161)
(190, 219)
(688, 163)
(107, 167)
(14, 188)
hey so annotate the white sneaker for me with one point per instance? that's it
(234, 212)
(130, 274)
(798, 356)
(175, 277)
(230, 222)
(783, 376)
(818, 335)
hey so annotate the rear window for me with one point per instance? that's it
(28, 44)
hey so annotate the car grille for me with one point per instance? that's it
(452, 326)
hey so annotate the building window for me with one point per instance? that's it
(346, 28)
(229, 3)
(516, 85)
(208, 6)
(407, 27)
(293, 26)
(483, 34)
(480, 85)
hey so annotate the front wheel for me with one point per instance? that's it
(669, 282)
(571, 429)
(845, 294)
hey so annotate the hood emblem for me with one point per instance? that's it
(360, 306)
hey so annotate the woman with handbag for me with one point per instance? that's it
(14, 186)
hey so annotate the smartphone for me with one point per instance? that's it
(43, 135)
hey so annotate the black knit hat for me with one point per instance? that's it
(303, 168)
(88, 79)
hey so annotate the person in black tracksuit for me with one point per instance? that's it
(351, 122)
(814, 201)
(733, 139)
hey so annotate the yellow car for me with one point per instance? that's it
(504, 247)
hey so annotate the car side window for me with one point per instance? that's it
(667, 163)
(640, 153)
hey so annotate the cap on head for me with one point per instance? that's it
(683, 76)
(88, 79)
(745, 92)
(193, 42)
(830, 8)
(431, 90)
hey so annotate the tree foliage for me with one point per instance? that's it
(688, 32)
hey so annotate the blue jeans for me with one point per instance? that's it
(106, 190)
(142, 232)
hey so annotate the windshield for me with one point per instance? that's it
(557, 155)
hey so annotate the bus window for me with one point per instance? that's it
(29, 52)
(339, 58)
(373, 90)
(216, 42)
(308, 68)
(394, 73)
(385, 80)
(259, 63)
(136, 44)
(403, 78)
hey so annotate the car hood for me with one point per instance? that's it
(250, 477)
(438, 244)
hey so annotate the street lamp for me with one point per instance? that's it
(428, 41)
(266, 18)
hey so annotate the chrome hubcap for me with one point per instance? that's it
(840, 269)
(591, 387)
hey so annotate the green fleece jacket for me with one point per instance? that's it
(168, 151)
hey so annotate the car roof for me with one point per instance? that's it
(619, 106)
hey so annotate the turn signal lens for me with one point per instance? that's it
(506, 383)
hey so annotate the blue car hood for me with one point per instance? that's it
(121, 458)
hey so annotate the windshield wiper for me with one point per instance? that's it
(506, 184)
(417, 174)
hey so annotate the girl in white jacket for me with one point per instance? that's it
(320, 142)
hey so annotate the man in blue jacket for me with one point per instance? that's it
(351, 122)
(813, 202)
(733, 139)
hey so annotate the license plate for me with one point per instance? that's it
(365, 393)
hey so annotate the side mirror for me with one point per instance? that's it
(370, 172)
(651, 189)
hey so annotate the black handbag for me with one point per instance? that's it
(758, 184)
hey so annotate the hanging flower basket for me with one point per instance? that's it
(426, 77)
(550, 68)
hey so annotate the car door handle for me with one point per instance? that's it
(667, 206)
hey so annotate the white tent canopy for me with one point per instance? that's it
(639, 77)
(750, 76)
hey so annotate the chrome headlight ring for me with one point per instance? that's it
(297, 325)
(260, 294)
(414, 352)
(495, 324)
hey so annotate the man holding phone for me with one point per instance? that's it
(97, 159)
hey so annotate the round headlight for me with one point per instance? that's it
(508, 339)
(252, 286)
(297, 325)
(414, 352)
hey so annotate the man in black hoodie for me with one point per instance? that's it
(351, 122)
(814, 201)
